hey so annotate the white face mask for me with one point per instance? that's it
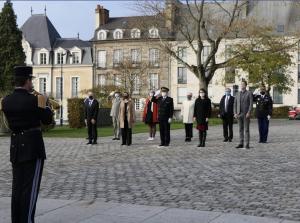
(202, 95)
(151, 94)
(117, 95)
(164, 94)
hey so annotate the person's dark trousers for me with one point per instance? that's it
(164, 129)
(263, 127)
(25, 189)
(202, 138)
(188, 131)
(92, 131)
(228, 126)
(126, 134)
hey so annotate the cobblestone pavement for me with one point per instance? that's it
(262, 181)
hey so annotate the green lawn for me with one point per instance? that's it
(66, 132)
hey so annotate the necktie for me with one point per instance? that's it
(226, 104)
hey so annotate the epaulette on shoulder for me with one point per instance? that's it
(41, 101)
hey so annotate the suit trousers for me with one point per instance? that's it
(164, 129)
(227, 126)
(263, 127)
(92, 131)
(126, 134)
(116, 126)
(25, 188)
(188, 130)
(244, 124)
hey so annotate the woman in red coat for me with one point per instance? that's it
(150, 115)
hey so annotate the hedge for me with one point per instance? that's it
(281, 112)
(76, 112)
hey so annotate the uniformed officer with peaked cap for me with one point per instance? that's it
(25, 113)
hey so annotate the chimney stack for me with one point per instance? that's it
(170, 11)
(102, 16)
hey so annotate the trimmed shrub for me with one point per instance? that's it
(76, 112)
(280, 112)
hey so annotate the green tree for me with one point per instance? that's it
(266, 59)
(11, 51)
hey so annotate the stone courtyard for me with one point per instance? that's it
(263, 181)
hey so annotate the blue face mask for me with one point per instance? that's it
(227, 93)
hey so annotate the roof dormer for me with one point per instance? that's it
(118, 34)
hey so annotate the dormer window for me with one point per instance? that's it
(118, 34)
(60, 56)
(135, 33)
(153, 33)
(43, 56)
(102, 35)
(75, 57)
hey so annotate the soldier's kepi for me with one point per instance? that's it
(25, 112)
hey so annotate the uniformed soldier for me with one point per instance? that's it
(264, 107)
(165, 114)
(25, 113)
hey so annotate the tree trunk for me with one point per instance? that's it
(203, 83)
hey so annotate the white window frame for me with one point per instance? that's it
(153, 81)
(78, 86)
(101, 64)
(153, 33)
(118, 34)
(135, 33)
(137, 104)
(60, 51)
(102, 80)
(76, 50)
(45, 85)
(58, 96)
(117, 59)
(154, 57)
(136, 56)
(117, 80)
(181, 98)
(102, 35)
(43, 51)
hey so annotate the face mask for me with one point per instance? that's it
(227, 93)
(202, 95)
(125, 96)
(151, 94)
(117, 95)
(164, 94)
(189, 97)
(91, 97)
(262, 93)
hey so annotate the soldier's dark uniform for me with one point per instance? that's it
(165, 112)
(264, 107)
(25, 113)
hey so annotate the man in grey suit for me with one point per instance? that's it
(114, 113)
(243, 104)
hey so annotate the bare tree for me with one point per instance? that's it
(202, 25)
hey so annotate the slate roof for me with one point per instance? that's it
(40, 32)
(68, 43)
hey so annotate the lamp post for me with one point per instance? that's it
(61, 87)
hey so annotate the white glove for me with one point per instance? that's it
(206, 119)
(256, 92)
(269, 117)
(169, 120)
(157, 93)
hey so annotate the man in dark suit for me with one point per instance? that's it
(226, 113)
(91, 114)
(264, 108)
(165, 114)
(25, 113)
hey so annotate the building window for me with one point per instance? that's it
(135, 56)
(117, 57)
(60, 58)
(182, 53)
(118, 34)
(135, 33)
(235, 90)
(137, 84)
(75, 58)
(102, 59)
(137, 104)
(153, 81)
(181, 75)
(154, 57)
(75, 87)
(117, 80)
(181, 94)
(42, 85)
(102, 80)
(277, 96)
(102, 35)
(58, 87)
(205, 53)
(43, 58)
(229, 75)
(280, 28)
(153, 33)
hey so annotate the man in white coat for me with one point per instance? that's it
(187, 113)
(114, 113)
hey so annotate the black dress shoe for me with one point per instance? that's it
(117, 138)
(239, 146)
(161, 145)
(123, 144)
(166, 145)
(229, 140)
(94, 143)
(89, 143)
(114, 138)
(247, 147)
(225, 140)
(199, 145)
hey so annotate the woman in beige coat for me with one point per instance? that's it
(127, 119)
